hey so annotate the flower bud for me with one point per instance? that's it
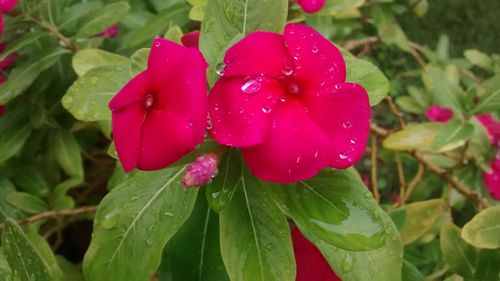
(201, 171)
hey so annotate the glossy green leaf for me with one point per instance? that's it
(87, 59)
(453, 134)
(103, 18)
(226, 20)
(420, 218)
(88, 98)
(194, 252)
(22, 256)
(220, 191)
(369, 76)
(14, 131)
(483, 231)
(26, 202)
(139, 61)
(67, 152)
(336, 207)
(254, 236)
(490, 101)
(139, 216)
(414, 137)
(460, 256)
(23, 75)
(43, 248)
(22, 42)
(488, 265)
(445, 92)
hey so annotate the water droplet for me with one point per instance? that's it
(337, 87)
(266, 109)
(67, 101)
(287, 70)
(209, 123)
(148, 101)
(343, 155)
(149, 242)
(94, 80)
(251, 86)
(298, 160)
(110, 219)
(314, 49)
(220, 69)
(353, 141)
(316, 154)
(157, 44)
(347, 124)
(283, 98)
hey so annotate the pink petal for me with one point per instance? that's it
(241, 110)
(437, 113)
(166, 137)
(492, 126)
(1, 26)
(110, 32)
(492, 179)
(127, 129)
(133, 92)
(294, 150)
(318, 63)
(3, 108)
(191, 39)
(311, 6)
(260, 53)
(343, 114)
(6, 6)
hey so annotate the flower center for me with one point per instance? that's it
(148, 101)
(293, 88)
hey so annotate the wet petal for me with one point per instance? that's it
(318, 63)
(260, 53)
(127, 124)
(241, 110)
(343, 114)
(294, 149)
(133, 92)
(311, 6)
(191, 39)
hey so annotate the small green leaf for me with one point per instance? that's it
(15, 129)
(67, 152)
(103, 18)
(411, 272)
(254, 235)
(454, 134)
(460, 256)
(174, 33)
(487, 265)
(22, 42)
(6, 210)
(479, 59)
(490, 101)
(87, 99)
(87, 59)
(29, 179)
(483, 231)
(336, 207)
(420, 217)
(414, 137)
(408, 104)
(139, 61)
(220, 191)
(71, 271)
(26, 202)
(22, 256)
(139, 216)
(198, 9)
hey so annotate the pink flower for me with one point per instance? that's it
(311, 265)
(1, 25)
(161, 114)
(9, 60)
(492, 126)
(284, 101)
(201, 171)
(492, 179)
(191, 39)
(311, 6)
(110, 32)
(6, 6)
(3, 108)
(437, 113)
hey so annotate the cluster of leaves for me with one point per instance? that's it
(57, 160)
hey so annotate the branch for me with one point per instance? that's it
(56, 214)
(374, 179)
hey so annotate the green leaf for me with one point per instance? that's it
(487, 265)
(29, 179)
(103, 18)
(420, 217)
(445, 92)
(14, 131)
(174, 33)
(67, 152)
(408, 104)
(174, 15)
(226, 20)
(43, 248)
(220, 191)
(139, 61)
(87, 99)
(22, 256)
(198, 9)
(454, 134)
(479, 59)
(71, 271)
(411, 273)
(26, 202)
(139, 216)
(483, 231)
(414, 137)
(22, 42)
(336, 207)
(6, 210)
(254, 235)
(369, 76)
(59, 198)
(490, 101)
(194, 252)
(87, 59)
(23, 75)
(459, 256)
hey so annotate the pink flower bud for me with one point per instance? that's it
(201, 171)
(492, 126)
(437, 113)
(191, 39)
(110, 32)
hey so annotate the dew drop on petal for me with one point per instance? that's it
(347, 124)
(343, 155)
(283, 98)
(298, 160)
(157, 44)
(287, 70)
(353, 141)
(251, 86)
(314, 49)
(266, 109)
(209, 123)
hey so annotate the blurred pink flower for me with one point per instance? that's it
(7, 6)
(201, 171)
(110, 32)
(284, 101)
(191, 39)
(3, 108)
(437, 113)
(311, 265)
(161, 114)
(492, 179)
(492, 126)
(311, 6)
(9, 60)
